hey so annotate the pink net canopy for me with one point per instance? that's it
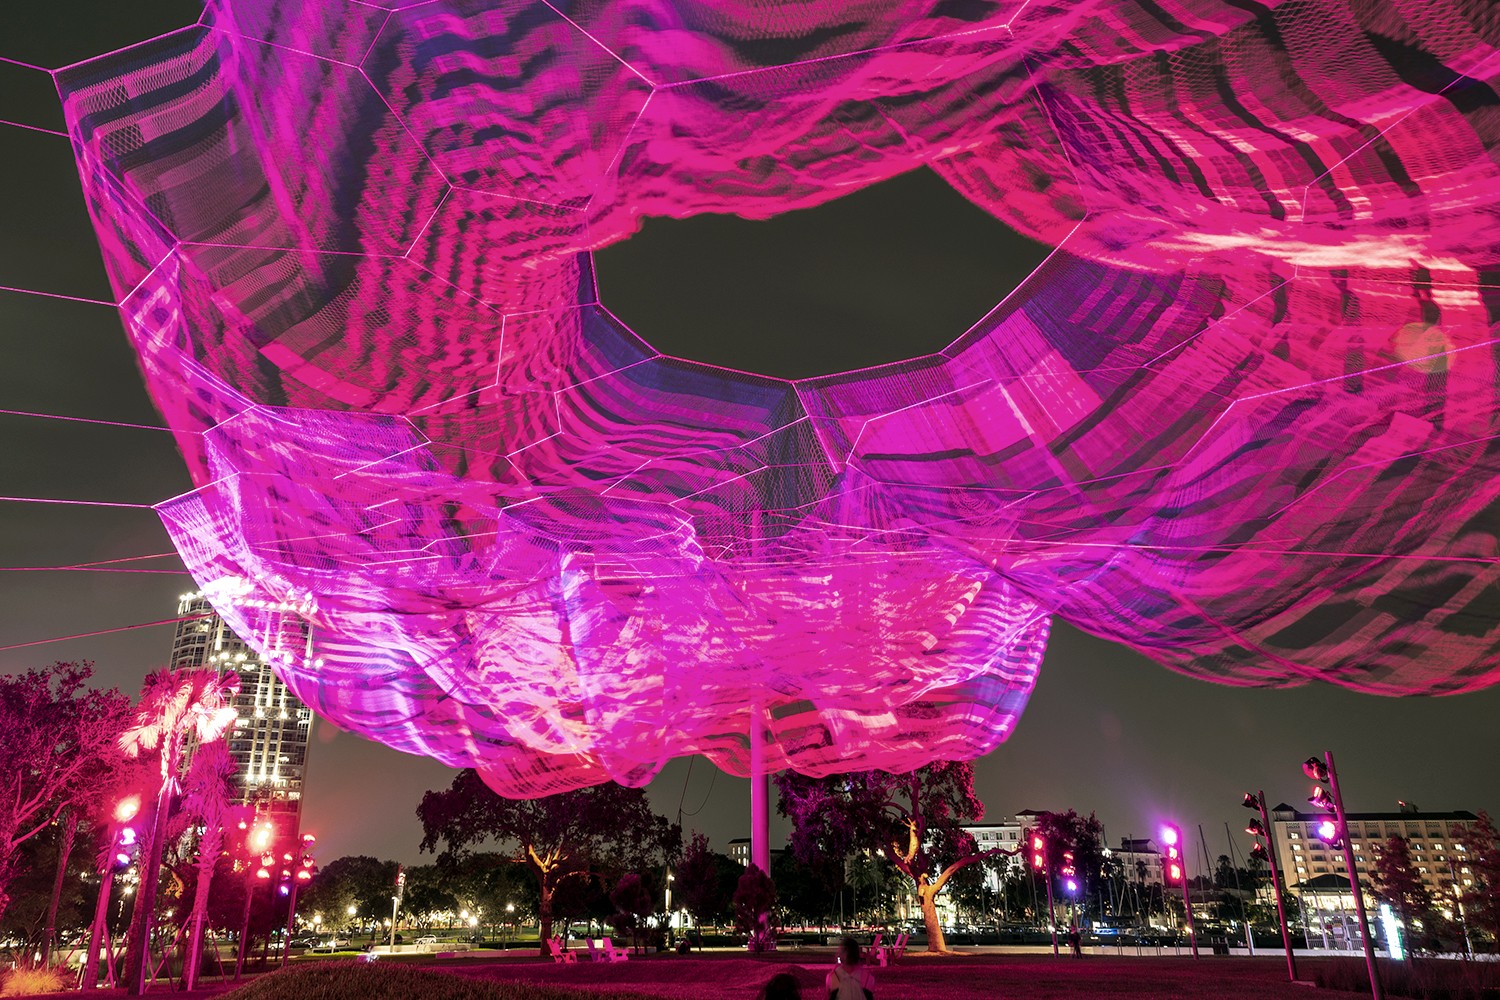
(1243, 419)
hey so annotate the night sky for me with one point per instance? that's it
(1107, 731)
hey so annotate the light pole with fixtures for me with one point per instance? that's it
(1037, 856)
(123, 847)
(259, 842)
(1267, 852)
(1174, 869)
(1335, 834)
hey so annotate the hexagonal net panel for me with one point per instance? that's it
(1242, 419)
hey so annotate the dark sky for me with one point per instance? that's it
(1106, 731)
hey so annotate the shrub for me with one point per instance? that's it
(24, 982)
(1420, 980)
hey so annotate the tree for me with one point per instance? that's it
(807, 892)
(359, 881)
(875, 884)
(485, 883)
(40, 898)
(428, 895)
(914, 818)
(59, 734)
(754, 903)
(558, 838)
(1481, 843)
(174, 704)
(207, 791)
(705, 882)
(1397, 882)
(634, 901)
(1067, 833)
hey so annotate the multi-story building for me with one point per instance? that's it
(270, 736)
(739, 850)
(1004, 836)
(1437, 849)
(1140, 860)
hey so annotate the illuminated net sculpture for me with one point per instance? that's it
(1242, 420)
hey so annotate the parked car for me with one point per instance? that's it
(430, 939)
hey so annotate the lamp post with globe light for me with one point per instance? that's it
(300, 871)
(258, 842)
(122, 848)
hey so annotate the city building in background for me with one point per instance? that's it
(739, 850)
(1435, 838)
(269, 740)
(1140, 860)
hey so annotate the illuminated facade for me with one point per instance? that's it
(1242, 418)
(1435, 840)
(269, 741)
(1140, 860)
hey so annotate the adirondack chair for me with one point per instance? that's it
(596, 953)
(611, 953)
(887, 954)
(561, 955)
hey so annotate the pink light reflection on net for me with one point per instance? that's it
(359, 283)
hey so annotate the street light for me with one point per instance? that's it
(1173, 870)
(258, 840)
(1036, 856)
(1260, 826)
(1334, 831)
(667, 903)
(123, 847)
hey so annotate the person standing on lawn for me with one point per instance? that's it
(851, 978)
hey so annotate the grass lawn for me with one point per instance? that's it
(919, 977)
(735, 976)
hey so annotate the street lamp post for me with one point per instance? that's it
(122, 842)
(396, 904)
(1321, 771)
(668, 904)
(1039, 856)
(1262, 828)
(1172, 837)
(259, 842)
(304, 870)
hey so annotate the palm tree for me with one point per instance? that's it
(206, 793)
(174, 704)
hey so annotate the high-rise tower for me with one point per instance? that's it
(270, 736)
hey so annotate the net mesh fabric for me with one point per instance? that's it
(1241, 420)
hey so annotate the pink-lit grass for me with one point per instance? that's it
(736, 977)
(952, 977)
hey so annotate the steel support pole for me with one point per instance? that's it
(1187, 909)
(760, 792)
